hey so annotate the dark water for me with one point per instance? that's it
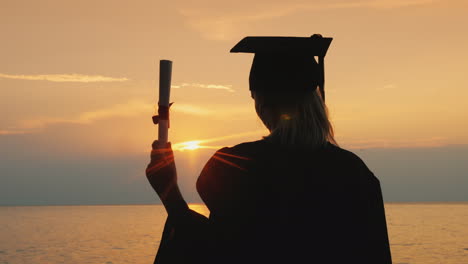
(419, 233)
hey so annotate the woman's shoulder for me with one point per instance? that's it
(244, 150)
(343, 154)
(227, 168)
(246, 146)
(234, 157)
(346, 158)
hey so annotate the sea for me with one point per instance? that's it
(419, 233)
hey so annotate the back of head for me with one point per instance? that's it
(295, 119)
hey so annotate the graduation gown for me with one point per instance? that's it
(270, 204)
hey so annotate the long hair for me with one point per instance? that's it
(295, 118)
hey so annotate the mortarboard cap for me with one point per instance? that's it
(286, 63)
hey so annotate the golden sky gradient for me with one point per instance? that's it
(79, 81)
(84, 73)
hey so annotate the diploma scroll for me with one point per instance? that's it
(165, 72)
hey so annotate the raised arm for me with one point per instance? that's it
(187, 234)
(162, 175)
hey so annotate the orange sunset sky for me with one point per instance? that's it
(80, 78)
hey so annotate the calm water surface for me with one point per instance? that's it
(419, 233)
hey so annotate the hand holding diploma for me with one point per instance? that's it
(162, 175)
(161, 171)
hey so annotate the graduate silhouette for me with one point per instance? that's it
(293, 196)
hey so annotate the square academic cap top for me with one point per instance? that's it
(286, 63)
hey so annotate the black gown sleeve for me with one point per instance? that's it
(190, 237)
(378, 246)
(184, 239)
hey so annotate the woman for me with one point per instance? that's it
(293, 196)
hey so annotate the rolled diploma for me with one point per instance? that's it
(165, 72)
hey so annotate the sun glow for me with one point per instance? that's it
(201, 144)
(188, 145)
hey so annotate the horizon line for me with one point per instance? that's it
(198, 203)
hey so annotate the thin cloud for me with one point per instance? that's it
(387, 87)
(227, 88)
(129, 109)
(64, 78)
(225, 25)
(12, 132)
(191, 109)
(213, 111)
(378, 4)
